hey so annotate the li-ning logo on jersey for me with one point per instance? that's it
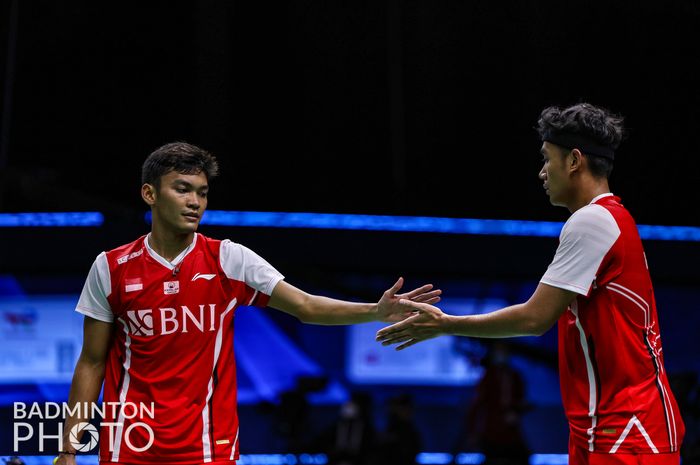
(164, 321)
(125, 258)
(208, 277)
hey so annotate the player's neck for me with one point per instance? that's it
(168, 244)
(590, 189)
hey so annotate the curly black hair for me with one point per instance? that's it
(596, 123)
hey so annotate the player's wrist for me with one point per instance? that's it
(374, 311)
(62, 454)
(449, 324)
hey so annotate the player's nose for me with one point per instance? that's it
(193, 201)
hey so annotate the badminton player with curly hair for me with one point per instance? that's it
(614, 386)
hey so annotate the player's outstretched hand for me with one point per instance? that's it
(425, 322)
(389, 308)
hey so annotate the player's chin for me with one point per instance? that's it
(189, 226)
(554, 201)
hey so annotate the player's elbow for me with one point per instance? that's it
(305, 316)
(90, 366)
(539, 330)
(537, 318)
(535, 327)
(315, 310)
(304, 309)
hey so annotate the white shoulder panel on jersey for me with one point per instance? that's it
(242, 264)
(98, 286)
(584, 241)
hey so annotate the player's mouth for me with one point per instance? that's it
(191, 216)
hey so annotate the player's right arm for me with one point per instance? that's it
(583, 244)
(88, 376)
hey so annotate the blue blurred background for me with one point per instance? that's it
(299, 383)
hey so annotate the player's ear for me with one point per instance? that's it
(148, 194)
(575, 160)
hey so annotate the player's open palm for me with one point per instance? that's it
(425, 322)
(391, 310)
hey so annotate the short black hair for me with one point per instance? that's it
(595, 123)
(181, 157)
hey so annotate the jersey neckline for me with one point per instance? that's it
(177, 260)
(598, 197)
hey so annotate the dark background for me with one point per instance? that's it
(378, 107)
(397, 107)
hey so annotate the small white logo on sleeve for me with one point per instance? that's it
(208, 277)
(125, 258)
(171, 287)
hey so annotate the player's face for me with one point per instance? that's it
(181, 200)
(554, 175)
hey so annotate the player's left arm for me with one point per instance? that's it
(322, 310)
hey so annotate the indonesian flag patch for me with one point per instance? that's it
(133, 285)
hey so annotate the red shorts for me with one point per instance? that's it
(579, 456)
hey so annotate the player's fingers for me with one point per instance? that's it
(388, 337)
(408, 344)
(391, 331)
(432, 301)
(395, 288)
(427, 296)
(418, 291)
(386, 340)
(397, 317)
(385, 333)
(397, 340)
(416, 306)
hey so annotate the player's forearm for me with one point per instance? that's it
(511, 321)
(321, 310)
(85, 389)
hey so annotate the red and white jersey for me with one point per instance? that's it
(614, 386)
(172, 347)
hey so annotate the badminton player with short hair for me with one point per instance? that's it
(614, 386)
(159, 324)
